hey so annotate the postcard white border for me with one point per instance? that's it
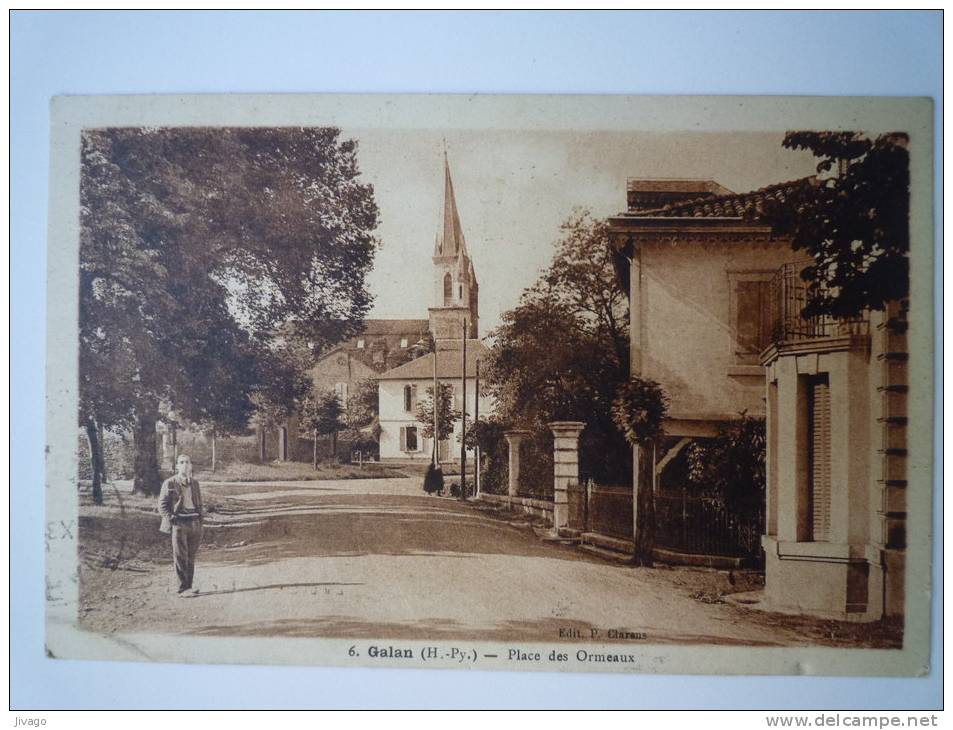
(71, 114)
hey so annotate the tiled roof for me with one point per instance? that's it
(736, 205)
(674, 185)
(395, 326)
(449, 364)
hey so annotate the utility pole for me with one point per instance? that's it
(436, 395)
(476, 420)
(463, 420)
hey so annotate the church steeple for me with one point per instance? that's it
(455, 284)
(451, 241)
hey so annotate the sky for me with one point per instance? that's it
(515, 187)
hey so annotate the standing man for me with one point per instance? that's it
(180, 504)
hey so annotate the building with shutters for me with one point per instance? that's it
(835, 531)
(400, 390)
(715, 310)
(696, 266)
(453, 317)
(384, 346)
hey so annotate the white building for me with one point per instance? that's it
(401, 388)
(454, 313)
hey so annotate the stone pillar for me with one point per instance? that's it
(565, 467)
(514, 439)
(167, 456)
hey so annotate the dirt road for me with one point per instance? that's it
(378, 558)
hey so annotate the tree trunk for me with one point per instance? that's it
(146, 467)
(334, 444)
(102, 452)
(96, 459)
(314, 457)
(261, 445)
(644, 521)
(214, 454)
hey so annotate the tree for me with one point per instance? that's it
(361, 428)
(732, 464)
(446, 416)
(321, 415)
(854, 222)
(639, 410)
(207, 257)
(487, 434)
(104, 402)
(563, 351)
(363, 406)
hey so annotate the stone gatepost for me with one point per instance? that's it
(565, 467)
(514, 439)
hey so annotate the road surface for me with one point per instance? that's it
(377, 558)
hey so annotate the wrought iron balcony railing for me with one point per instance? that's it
(787, 298)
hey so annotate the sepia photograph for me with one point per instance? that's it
(431, 381)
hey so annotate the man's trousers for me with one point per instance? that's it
(186, 536)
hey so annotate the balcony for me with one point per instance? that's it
(788, 329)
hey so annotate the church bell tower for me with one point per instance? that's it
(456, 292)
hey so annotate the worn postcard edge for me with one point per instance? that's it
(69, 115)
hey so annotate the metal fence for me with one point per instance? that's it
(610, 511)
(707, 525)
(701, 524)
(786, 300)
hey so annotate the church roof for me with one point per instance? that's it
(451, 241)
(449, 364)
(395, 326)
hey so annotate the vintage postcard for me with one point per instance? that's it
(532, 383)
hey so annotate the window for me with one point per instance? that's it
(749, 315)
(410, 398)
(460, 295)
(819, 457)
(403, 342)
(360, 344)
(447, 288)
(408, 439)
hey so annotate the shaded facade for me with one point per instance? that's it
(716, 310)
(697, 270)
(835, 534)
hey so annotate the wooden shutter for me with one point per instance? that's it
(819, 465)
(748, 316)
(413, 397)
(403, 438)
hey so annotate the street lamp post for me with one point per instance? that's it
(463, 420)
(436, 417)
(476, 420)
